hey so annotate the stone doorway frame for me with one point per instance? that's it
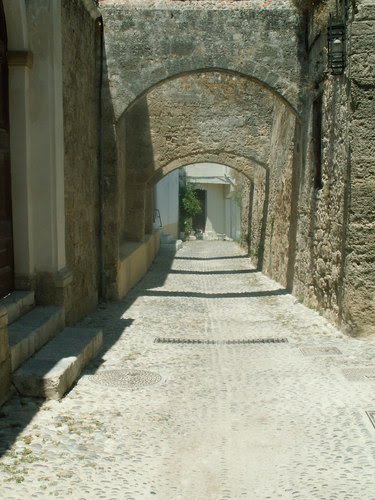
(37, 149)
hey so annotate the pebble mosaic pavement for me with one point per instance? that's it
(202, 421)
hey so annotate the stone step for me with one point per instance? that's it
(175, 245)
(52, 371)
(17, 303)
(30, 332)
(166, 239)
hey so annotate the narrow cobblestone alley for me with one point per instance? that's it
(269, 402)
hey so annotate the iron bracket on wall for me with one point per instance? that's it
(336, 46)
(337, 38)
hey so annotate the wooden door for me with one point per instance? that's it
(6, 235)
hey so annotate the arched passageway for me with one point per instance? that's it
(219, 117)
(215, 188)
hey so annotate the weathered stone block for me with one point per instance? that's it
(29, 333)
(362, 205)
(362, 28)
(366, 11)
(363, 44)
(362, 99)
(52, 371)
(362, 63)
(363, 167)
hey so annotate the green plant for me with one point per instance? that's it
(188, 225)
(189, 206)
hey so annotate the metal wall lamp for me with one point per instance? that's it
(336, 46)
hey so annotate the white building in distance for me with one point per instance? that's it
(216, 190)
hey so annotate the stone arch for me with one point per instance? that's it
(243, 165)
(252, 172)
(214, 115)
(147, 46)
(232, 72)
(217, 116)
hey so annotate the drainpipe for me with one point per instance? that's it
(101, 165)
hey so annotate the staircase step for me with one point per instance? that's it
(175, 245)
(167, 239)
(52, 371)
(17, 303)
(30, 332)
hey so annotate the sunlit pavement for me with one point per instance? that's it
(213, 384)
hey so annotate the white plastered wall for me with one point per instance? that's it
(47, 134)
(166, 201)
(215, 208)
(36, 136)
(232, 215)
(18, 41)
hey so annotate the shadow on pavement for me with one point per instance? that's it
(238, 271)
(229, 295)
(18, 412)
(244, 256)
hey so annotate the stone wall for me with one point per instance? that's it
(134, 262)
(321, 221)
(80, 89)
(258, 218)
(334, 269)
(198, 113)
(278, 196)
(267, 213)
(358, 304)
(318, 268)
(245, 187)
